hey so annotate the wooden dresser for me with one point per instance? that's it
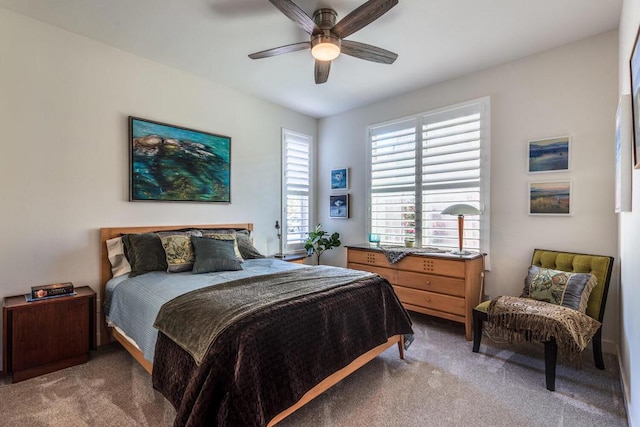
(442, 285)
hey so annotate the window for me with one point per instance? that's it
(422, 164)
(296, 190)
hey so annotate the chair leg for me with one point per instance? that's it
(550, 358)
(477, 329)
(596, 342)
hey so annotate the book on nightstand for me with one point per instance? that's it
(52, 290)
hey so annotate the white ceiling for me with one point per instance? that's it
(435, 39)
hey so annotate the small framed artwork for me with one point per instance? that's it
(340, 179)
(634, 65)
(549, 155)
(175, 164)
(339, 206)
(623, 155)
(550, 198)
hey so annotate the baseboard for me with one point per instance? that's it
(626, 392)
(610, 347)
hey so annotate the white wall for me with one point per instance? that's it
(569, 90)
(64, 102)
(629, 231)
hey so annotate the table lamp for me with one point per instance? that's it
(461, 210)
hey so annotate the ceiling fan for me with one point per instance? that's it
(327, 37)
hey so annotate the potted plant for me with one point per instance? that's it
(320, 241)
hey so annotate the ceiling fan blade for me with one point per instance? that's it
(368, 52)
(322, 69)
(362, 16)
(280, 50)
(297, 15)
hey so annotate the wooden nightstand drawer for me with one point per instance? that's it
(430, 300)
(443, 267)
(429, 282)
(373, 257)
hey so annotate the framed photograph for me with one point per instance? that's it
(634, 65)
(623, 155)
(340, 179)
(550, 198)
(175, 164)
(549, 155)
(339, 206)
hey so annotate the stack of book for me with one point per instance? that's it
(50, 291)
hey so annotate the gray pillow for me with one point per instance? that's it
(245, 245)
(145, 253)
(214, 255)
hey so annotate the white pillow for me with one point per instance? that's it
(119, 263)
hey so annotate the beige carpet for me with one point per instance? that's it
(440, 383)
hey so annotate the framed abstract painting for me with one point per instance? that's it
(175, 164)
(340, 179)
(339, 206)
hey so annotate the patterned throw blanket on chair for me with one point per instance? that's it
(518, 319)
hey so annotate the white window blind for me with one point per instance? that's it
(296, 189)
(422, 164)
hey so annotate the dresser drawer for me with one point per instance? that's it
(429, 282)
(431, 300)
(372, 257)
(422, 264)
(387, 273)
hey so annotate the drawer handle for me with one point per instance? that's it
(428, 282)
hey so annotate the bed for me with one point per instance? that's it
(265, 365)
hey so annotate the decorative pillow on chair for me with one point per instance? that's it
(178, 249)
(214, 255)
(145, 253)
(564, 288)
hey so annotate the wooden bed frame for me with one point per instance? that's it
(107, 334)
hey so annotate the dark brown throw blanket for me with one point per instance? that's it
(194, 320)
(266, 361)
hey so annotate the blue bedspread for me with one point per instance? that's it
(132, 303)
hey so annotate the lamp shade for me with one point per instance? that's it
(461, 209)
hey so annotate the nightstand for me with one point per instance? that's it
(43, 336)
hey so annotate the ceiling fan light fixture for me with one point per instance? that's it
(325, 47)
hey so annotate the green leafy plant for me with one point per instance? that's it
(320, 241)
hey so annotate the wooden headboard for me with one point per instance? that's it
(105, 266)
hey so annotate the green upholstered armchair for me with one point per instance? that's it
(598, 265)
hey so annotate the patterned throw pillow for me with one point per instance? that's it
(570, 290)
(225, 235)
(178, 249)
(214, 255)
(145, 253)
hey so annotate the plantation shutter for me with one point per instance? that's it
(296, 189)
(422, 164)
(393, 180)
(450, 175)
